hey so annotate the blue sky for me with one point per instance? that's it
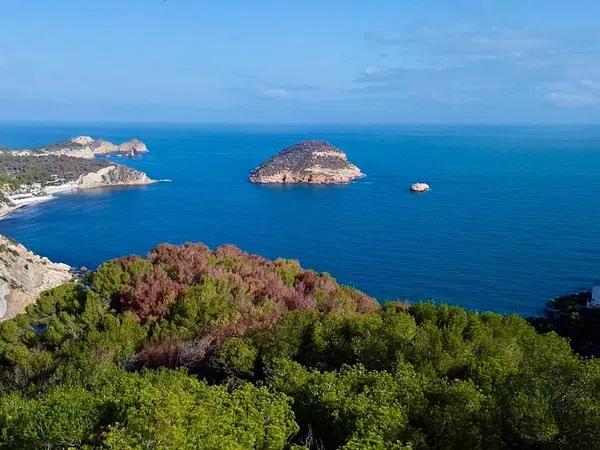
(328, 61)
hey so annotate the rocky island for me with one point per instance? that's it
(419, 187)
(308, 162)
(34, 175)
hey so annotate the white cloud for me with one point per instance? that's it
(276, 93)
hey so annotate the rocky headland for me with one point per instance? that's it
(82, 147)
(23, 275)
(35, 175)
(308, 162)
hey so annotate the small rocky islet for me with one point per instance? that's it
(307, 162)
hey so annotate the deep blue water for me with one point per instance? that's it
(513, 217)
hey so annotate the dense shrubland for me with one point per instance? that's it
(193, 348)
(19, 170)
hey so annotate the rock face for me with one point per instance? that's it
(133, 148)
(102, 147)
(114, 175)
(23, 275)
(309, 162)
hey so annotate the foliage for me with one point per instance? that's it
(575, 317)
(45, 169)
(193, 348)
(166, 409)
(9, 182)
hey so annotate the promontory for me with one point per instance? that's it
(82, 147)
(34, 175)
(307, 162)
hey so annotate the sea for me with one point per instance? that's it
(512, 218)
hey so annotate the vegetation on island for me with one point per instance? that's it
(20, 170)
(313, 162)
(190, 348)
(52, 147)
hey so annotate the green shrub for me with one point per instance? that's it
(293, 360)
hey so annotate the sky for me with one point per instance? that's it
(328, 61)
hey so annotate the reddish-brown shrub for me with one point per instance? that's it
(186, 263)
(173, 352)
(126, 261)
(306, 282)
(260, 292)
(150, 295)
(164, 353)
(229, 251)
(364, 303)
(259, 275)
(253, 279)
(299, 301)
(249, 320)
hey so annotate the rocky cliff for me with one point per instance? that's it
(23, 275)
(311, 162)
(83, 147)
(113, 175)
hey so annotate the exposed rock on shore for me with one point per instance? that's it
(31, 179)
(310, 162)
(23, 275)
(101, 147)
(83, 147)
(114, 175)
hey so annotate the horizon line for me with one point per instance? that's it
(275, 124)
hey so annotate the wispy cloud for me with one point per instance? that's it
(463, 45)
(473, 65)
(269, 88)
(581, 94)
(276, 93)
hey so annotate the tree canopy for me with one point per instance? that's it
(190, 348)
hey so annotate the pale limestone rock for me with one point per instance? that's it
(83, 140)
(115, 175)
(23, 275)
(132, 148)
(102, 147)
(419, 187)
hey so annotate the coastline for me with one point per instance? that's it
(70, 168)
(9, 209)
(48, 194)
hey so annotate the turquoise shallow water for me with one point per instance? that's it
(513, 217)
